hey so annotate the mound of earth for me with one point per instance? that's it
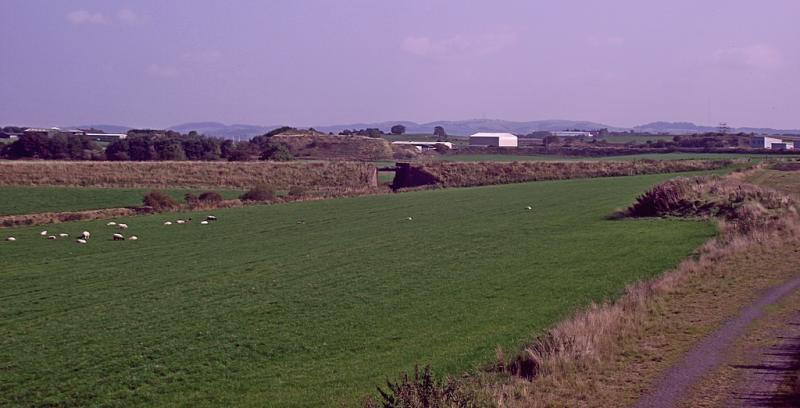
(316, 145)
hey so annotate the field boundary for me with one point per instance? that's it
(470, 174)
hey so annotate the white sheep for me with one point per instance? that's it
(85, 235)
(80, 241)
(43, 233)
(203, 222)
(11, 239)
(211, 218)
(409, 218)
(528, 208)
(63, 235)
(180, 222)
(118, 237)
(168, 223)
(111, 223)
(122, 226)
(51, 237)
(133, 238)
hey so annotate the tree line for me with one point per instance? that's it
(145, 145)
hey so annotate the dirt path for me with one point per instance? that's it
(761, 382)
(709, 353)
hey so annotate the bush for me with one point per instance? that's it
(297, 191)
(190, 198)
(159, 201)
(261, 192)
(210, 197)
(276, 152)
(424, 390)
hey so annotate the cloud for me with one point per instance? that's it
(128, 16)
(162, 71)
(755, 56)
(457, 45)
(605, 40)
(86, 17)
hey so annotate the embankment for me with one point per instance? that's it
(468, 174)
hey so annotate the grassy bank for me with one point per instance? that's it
(30, 200)
(314, 303)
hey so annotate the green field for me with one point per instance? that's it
(313, 303)
(29, 200)
(652, 156)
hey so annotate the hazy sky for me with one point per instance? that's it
(620, 62)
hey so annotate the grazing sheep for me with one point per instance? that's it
(409, 218)
(85, 235)
(133, 238)
(180, 222)
(43, 233)
(80, 241)
(63, 235)
(168, 223)
(111, 223)
(51, 237)
(528, 208)
(211, 218)
(122, 226)
(118, 237)
(11, 239)
(203, 222)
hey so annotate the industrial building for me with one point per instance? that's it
(485, 139)
(767, 142)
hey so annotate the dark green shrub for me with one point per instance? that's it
(297, 191)
(261, 192)
(190, 198)
(210, 197)
(159, 201)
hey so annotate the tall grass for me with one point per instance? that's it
(321, 175)
(466, 174)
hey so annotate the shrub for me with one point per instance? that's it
(261, 192)
(190, 198)
(424, 390)
(297, 191)
(159, 201)
(210, 197)
(276, 152)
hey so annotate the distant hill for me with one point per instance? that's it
(452, 127)
(235, 131)
(468, 127)
(104, 128)
(688, 127)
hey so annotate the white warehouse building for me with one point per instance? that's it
(486, 139)
(766, 142)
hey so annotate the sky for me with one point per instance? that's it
(304, 62)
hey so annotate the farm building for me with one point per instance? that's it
(423, 145)
(766, 142)
(572, 133)
(493, 140)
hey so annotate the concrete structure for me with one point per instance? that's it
(572, 133)
(423, 145)
(767, 142)
(486, 139)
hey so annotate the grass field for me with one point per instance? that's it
(29, 200)
(654, 156)
(313, 303)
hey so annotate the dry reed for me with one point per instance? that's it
(330, 176)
